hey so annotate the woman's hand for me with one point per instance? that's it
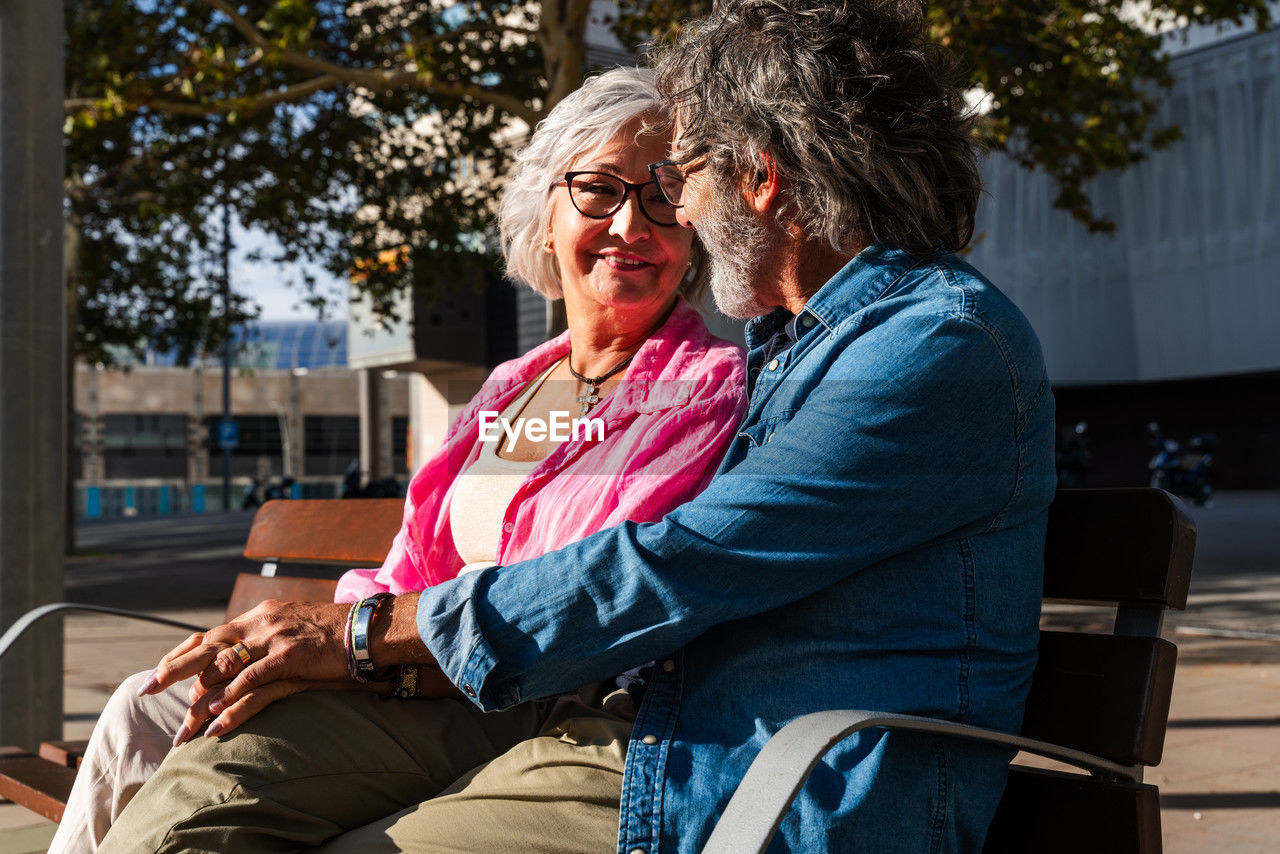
(432, 685)
(229, 715)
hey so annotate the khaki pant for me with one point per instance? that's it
(354, 773)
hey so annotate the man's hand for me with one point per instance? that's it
(292, 647)
(284, 640)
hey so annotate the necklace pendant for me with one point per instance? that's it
(590, 399)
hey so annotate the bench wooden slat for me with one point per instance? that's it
(251, 588)
(1103, 694)
(38, 784)
(68, 753)
(1132, 546)
(1051, 812)
(350, 532)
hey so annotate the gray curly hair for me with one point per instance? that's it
(864, 117)
(585, 121)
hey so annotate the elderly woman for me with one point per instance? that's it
(657, 399)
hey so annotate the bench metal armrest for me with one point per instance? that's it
(30, 618)
(762, 799)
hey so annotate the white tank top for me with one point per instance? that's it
(484, 491)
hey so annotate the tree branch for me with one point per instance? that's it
(494, 27)
(330, 74)
(241, 23)
(512, 106)
(375, 80)
(279, 96)
(72, 106)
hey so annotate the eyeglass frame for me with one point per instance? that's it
(677, 162)
(627, 188)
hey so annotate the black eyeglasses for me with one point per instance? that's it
(669, 176)
(599, 195)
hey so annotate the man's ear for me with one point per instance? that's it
(764, 189)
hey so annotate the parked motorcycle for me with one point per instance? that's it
(283, 489)
(1186, 472)
(386, 487)
(1073, 457)
(251, 497)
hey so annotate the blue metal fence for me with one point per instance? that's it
(160, 498)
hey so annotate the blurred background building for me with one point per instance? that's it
(1176, 317)
(146, 432)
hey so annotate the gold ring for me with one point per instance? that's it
(243, 651)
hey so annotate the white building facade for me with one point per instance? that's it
(1175, 318)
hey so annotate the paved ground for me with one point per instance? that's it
(1220, 778)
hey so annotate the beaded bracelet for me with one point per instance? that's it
(346, 642)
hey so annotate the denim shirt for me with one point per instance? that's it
(873, 540)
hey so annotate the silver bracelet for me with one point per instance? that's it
(360, 634)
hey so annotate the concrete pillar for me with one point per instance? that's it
(32, 369)
(386, 447)
(371, 417)
(297, 433)
(197, 434)
(435, 399)
(93, 432)
(428, 419)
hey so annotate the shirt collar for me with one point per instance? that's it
(858, 284)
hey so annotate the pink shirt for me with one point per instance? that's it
(666, 426)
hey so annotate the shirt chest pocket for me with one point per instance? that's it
(760, 433)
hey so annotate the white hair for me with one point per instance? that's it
(584, 122)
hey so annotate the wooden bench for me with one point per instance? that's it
(350, 533)
(1097, 701)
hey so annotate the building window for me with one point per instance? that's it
(142, 445)
(332, 442)
(259, 453)
(400, 445)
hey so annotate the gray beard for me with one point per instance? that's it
(735, 243)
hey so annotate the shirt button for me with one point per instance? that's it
(508, 527)
(806, 321)
(471, 692)
(768, 439)
(668, 665)
(636, 851)
(773, 366)
(650, 739)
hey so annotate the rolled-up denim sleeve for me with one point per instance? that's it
(865, 469)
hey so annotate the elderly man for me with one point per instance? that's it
(873, 539)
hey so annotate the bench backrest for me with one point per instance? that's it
(1109, 694)
(353, 532)
(1105, 694)
(350, 531)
